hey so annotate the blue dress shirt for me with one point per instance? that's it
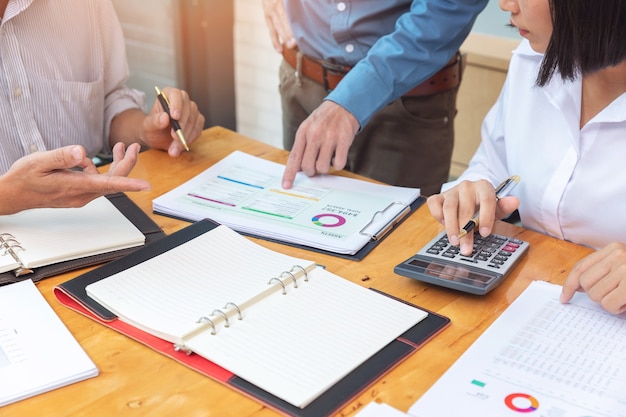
(394, 45)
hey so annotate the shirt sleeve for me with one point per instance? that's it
(118, 97)
(424, 40)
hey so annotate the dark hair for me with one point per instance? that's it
(587, 35)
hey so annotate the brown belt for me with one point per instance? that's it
(329, 75)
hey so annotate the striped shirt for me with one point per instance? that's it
(63, 72)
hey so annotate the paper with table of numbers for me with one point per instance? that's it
(539, 358)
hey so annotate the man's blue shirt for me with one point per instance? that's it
(393, 45)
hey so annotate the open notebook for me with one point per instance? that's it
(325, 327)
(283, 324)
(44, 236)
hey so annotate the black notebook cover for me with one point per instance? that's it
(130, 210)
(73, 295)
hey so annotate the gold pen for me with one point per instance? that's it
(502, 191)
(165, 103)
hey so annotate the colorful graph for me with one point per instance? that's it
(322, 220)
(532, 402)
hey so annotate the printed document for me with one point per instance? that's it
(539, 358)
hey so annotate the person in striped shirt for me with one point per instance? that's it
(64, 99)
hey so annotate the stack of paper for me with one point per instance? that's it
(37, 352)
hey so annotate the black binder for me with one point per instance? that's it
(130, 210)
(73, 295)
(360, 254)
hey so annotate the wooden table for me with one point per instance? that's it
(137, 381)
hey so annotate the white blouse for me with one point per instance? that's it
(63, 71)
(572, 186)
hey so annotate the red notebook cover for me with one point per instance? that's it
(72, 294)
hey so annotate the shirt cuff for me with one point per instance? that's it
(118, 102)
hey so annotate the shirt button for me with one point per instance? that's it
(32, 148)
(17, 91)
(341, 6)
(349, 48)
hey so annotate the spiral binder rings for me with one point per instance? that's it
(38, 243)
(304, 353)
(9, 246)
(222, 316)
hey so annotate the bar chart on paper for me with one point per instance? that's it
(539, 358)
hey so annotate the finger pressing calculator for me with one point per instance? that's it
(442, 264)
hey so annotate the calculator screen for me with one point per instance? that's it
(453, 272)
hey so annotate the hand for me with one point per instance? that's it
(603, 276)
(323, 138)
(46, 179)
(454, 207)
(157, 130)
(278, 24)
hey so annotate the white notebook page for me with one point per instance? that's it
(50, 235)
(294, 345)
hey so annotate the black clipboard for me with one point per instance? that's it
(359, 255)
(130, 210)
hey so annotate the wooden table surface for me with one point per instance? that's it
(137, 381)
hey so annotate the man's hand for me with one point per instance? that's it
(157, 130)
(47, 179)
(324, 138)
(278, 25)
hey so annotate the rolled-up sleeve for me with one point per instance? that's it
(424, 40)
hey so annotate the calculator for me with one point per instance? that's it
(442, 264)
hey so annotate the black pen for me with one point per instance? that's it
(165, 103)
(502, 191)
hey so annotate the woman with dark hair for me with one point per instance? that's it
(560, 124)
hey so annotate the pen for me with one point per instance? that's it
(165, 103)
(502, 191)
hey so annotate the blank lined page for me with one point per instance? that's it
(167, 295)
(297, 345)
(50, 235)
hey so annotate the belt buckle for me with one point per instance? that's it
(334, 69)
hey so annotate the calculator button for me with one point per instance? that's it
(474, 261)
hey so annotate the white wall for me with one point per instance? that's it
(256, 76)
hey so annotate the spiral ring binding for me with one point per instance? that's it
(292, 276)
(304, 271)
(218, 311)
(10, 246)
(179, 348)
(231, 304)
(282, 284)
(205, 319)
